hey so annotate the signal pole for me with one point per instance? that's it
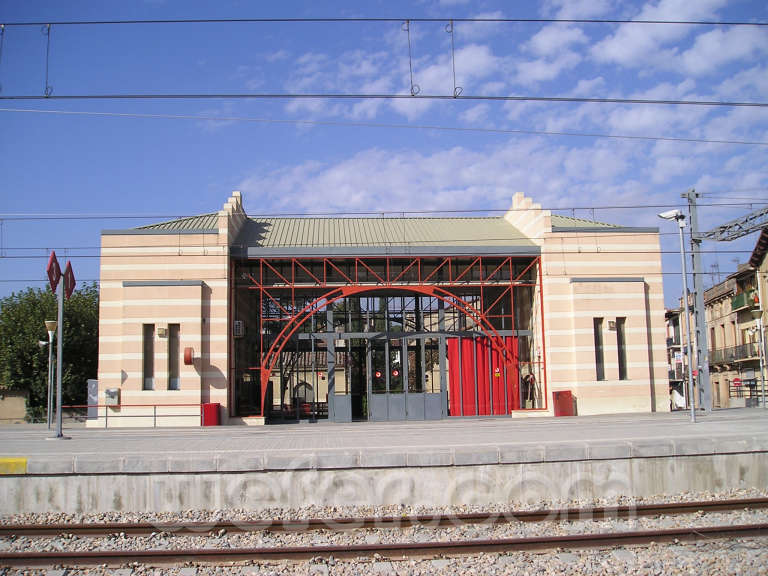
(702, 347)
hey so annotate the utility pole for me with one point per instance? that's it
(702, 347)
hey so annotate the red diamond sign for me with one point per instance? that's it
(54, 271)
(69, 280)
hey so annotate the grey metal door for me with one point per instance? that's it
(426, 377)
(404, 378)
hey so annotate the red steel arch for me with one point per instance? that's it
(273, 354)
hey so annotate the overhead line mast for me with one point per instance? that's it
(724, 233)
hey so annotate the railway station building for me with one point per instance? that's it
(247, 319)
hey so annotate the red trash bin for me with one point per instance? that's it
(563, 403)
(211, 414)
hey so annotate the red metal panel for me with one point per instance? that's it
(467, 378)
(497, 382)
(454, 394)
(563, 403)
(210, 414)
(482, 369)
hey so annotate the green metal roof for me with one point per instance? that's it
(201, 222)
(372, 232)
(341, 233)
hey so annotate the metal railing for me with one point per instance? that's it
(734, 353)
(741, 300)
(112, 411)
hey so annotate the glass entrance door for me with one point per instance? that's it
(388, 377)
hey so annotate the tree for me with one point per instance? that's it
(24, 363)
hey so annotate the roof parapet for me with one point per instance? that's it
(528, 217)
(231, 217)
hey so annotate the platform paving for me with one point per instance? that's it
(323, 445)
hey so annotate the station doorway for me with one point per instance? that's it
(387, 377)
(379, 377)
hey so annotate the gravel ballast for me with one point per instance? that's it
(743, 556)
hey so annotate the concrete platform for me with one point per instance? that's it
(631, 454)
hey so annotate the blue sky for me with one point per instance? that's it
(306, 156)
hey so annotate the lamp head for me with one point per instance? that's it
(672, 215)
(50, 325)
(42, 343)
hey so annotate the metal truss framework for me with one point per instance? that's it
(281, 282)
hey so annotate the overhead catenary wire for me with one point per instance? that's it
(390, 96)
(353, 19)
(372, 213)
(342, 245)
(340, 123)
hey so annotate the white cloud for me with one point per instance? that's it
(358, 64)
(578, 8)
(650, 120)
(277, 56)
(456, 178)
(668, 167)
(658, 120)
(750, 83)
(474, 31)
(225, 110)
(314, 107)
(368, 109)
(476, 114)
(309, 71)
(410, 108)
(517, 110)
(476, 61)
(555, 38)
(645, 44)
(589, 87)
(545, 69)
(716, 48)
(382, 72)
(738, 124)
(473, 62)
(551, 47)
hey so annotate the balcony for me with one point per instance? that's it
(677, 373)
(748, 351)
(741, 301)
(673, 342)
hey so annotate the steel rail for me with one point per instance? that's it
(392, 551)
(351, 523)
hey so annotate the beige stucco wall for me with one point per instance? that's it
(161, 279)
(600, 273)
(13, 406)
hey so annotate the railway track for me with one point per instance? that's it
(347, 523)
(207, 554)
(394, 551)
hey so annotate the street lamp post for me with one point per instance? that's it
(680, 218)
(50, 326)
